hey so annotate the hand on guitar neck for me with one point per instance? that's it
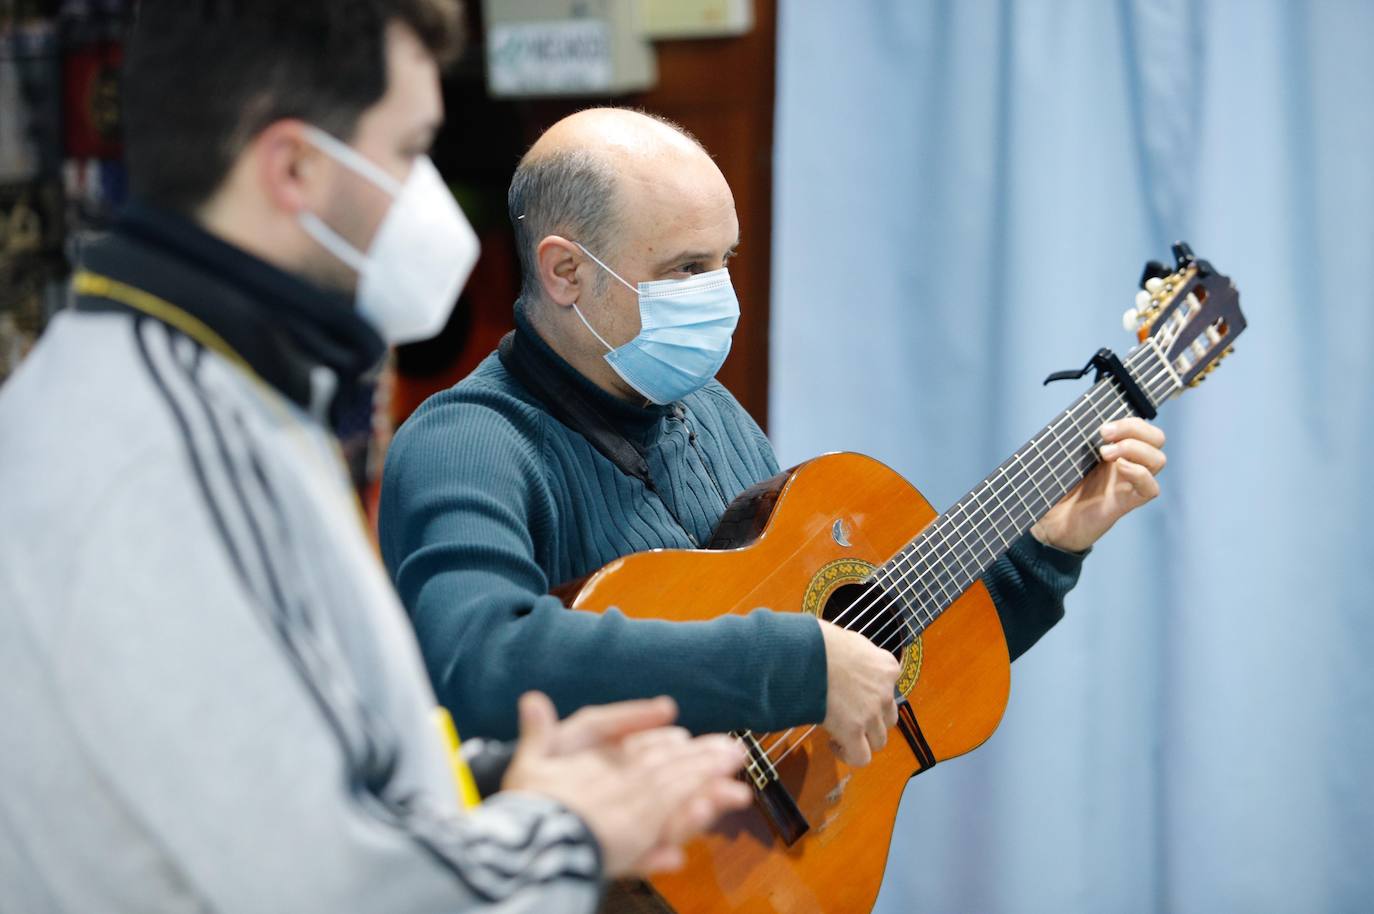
(859, 703)
(1122, 482)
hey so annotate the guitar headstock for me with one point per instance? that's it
(1191, 314)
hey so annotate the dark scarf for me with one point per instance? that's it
(282, 326)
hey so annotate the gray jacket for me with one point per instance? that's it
(210, 699)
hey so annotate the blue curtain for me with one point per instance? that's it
(966, 192)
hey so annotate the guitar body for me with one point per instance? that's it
(794, 544)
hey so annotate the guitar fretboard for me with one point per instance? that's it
(935, 569)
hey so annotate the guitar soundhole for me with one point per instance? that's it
(872, 612)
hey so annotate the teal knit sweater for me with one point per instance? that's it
(488, 502)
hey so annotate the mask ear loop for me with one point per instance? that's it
(360, 165)
(353, 160)
(332, 241)
(583, 318)
(578, 311)
(606, 268)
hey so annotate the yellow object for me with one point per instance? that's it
(462, 774)
(87, 283)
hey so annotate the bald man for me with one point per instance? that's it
(598, 431)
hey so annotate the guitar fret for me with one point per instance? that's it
(984, 525)
(1100, 421)
(959, 554)
(1081, 446)
(918, 571)
(1052, 466)
(1029, 512)
(953, 582)
(978, 525)
(1048, 470)
(987, 484)
(1048, 502)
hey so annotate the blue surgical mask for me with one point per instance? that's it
(685, 327)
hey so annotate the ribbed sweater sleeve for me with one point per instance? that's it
(467, 515)
(1028, 586)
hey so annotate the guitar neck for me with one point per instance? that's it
(935, 569)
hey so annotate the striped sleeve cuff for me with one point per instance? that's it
(520, 846)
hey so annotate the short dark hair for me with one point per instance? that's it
(567, 192)
(202, 78)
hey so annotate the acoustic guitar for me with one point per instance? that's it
(847, 539)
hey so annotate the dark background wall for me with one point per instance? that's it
(62, 176)
(720, 89)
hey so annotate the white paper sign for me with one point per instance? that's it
(560, 57)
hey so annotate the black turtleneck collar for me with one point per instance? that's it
(629, 417)
(284, 327)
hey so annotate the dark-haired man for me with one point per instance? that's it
(505, 485)
(209, 696)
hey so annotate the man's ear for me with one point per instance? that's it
(291, 173)
(557, 260)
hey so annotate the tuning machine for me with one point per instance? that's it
(1148, 302)
(1212, 366)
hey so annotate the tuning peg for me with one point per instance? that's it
(1130, 320)
(1153, 270)
(1154, 285)
(1183, 255)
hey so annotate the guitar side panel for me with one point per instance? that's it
(837, 507)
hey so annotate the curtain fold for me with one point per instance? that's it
(966, 193)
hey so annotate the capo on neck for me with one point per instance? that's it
(1107, 363)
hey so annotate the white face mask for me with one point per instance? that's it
(410, 277)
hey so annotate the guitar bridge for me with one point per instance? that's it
(778, 805)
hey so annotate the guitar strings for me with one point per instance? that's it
(877, 587)
(1092, 399)
(961, 528)
(1066, 458)
(1100, 395)
(972, 516)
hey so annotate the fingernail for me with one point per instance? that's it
(1109, 451)
(1108, 429)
